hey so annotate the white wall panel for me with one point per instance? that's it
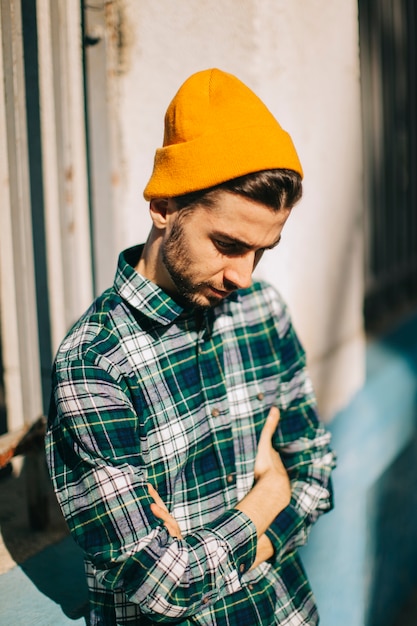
(302, 58)
(17, 284)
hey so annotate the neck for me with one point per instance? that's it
(147, 263)
(150, 264)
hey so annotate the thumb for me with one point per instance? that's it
(271, 423)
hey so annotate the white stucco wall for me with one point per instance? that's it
(302, 59)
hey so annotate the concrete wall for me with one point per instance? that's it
(301, 58)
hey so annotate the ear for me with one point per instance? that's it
(161, 209)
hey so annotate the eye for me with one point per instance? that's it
(225, 246)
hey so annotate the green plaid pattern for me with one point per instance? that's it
(146, 391)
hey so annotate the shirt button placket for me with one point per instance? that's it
(231, 477)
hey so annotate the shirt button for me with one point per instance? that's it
(250, 587)
(242, 568)
(205, 600)
(230, 478)
(260, 396)
(215, 412)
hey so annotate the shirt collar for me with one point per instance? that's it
(141, 293)
(145, 296)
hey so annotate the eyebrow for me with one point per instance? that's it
(244, 244)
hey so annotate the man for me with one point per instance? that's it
(187, 497)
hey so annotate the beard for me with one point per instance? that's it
(177, 261)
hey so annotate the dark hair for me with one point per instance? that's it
(278, 189)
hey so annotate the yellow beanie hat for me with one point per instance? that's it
(217, 129)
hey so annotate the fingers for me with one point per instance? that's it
(268, 459)
(156, 497)
(169, 522)
(160, 511)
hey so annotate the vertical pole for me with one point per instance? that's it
(64, 162)
(17, 279)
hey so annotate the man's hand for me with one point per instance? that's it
(271, 492)
(267, 459)
(268, 497)
(160, 511)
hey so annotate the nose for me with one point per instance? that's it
(238, 270)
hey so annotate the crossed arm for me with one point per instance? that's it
(270, 494)
(96, 498)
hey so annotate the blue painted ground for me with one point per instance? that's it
(49, 589)
(362, 557)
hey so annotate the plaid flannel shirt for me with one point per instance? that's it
(146, 391)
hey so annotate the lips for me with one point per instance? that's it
(220, 292)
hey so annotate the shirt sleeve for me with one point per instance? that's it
(304, 446)
(93, 453)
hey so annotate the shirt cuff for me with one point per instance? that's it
(239, 532)
(286, 532)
